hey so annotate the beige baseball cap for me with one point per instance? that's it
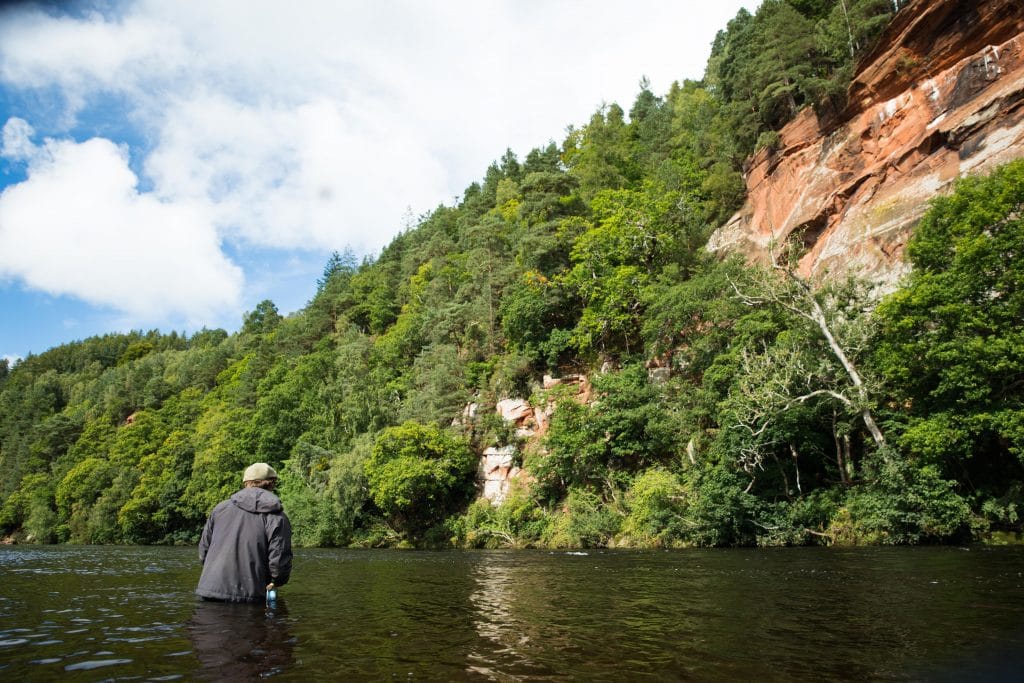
(258, 471)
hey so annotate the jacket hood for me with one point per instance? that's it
(257, 500)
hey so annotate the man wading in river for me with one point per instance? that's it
(246, 547)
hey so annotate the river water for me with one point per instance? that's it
(114, 613)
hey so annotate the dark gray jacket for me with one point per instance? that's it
(246, 544)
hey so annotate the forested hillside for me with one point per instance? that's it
(783, 411)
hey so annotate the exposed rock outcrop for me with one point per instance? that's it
(497, 470)
(941, 96)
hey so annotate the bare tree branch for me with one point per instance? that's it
(775, 379)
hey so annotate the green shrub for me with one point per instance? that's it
(903, 504)
(1006, 510)
(801, 521)
(584, 522)
(417, 473)
(718, 511)
(656, 503)
(519, 522)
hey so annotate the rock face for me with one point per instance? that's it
(495, 473)
(497, 470)
(942, 95)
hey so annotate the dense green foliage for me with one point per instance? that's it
(952, 341)
(791, 54)
(722, 405)
(417, 473)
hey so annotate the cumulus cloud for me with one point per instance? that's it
(79, 226)
(317, 175)
(84, 55)
(17, 140)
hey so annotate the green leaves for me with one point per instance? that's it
(625, 429)
(656, 502)
(416, 473)
(633, 236)
(789, 55)
(905, 504)
(951, 341)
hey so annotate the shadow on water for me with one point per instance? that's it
(240, 641)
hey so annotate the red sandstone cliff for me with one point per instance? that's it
(942, 95)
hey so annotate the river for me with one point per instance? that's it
(803, 614)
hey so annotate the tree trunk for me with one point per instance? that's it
(818, 316)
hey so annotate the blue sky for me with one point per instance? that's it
(170, 165)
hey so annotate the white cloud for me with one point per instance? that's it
(17, 140)
(314, 175)
(83, 56)
(78, 225)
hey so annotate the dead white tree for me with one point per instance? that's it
(777, 378)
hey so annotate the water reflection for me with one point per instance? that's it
(241, 642)
(492, 616)
(867, 614)
(522, 616)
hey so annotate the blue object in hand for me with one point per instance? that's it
(271, 596)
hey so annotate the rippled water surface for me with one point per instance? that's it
(128, 613)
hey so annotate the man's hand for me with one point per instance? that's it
(270, 586)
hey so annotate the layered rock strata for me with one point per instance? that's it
(940, 97)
